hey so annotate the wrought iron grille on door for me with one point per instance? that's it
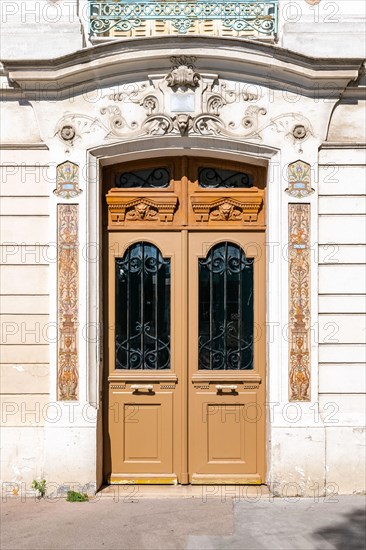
(225, 309)
(142, 299)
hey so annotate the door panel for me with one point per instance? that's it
(145, 357)
(226, 397)
(142, 434)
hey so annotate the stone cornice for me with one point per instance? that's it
(24, 146)
(332, 145)
(123, 60)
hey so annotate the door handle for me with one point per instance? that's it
(142, 387)
(231, 387)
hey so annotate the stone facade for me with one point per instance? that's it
(297, 107)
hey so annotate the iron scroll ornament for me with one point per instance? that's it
(123, 15)
(150, 177)
(214, 178)
(142, 338)
(226, 314)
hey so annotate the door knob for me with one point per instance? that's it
(231, 387)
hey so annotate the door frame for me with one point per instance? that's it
(182, 172)
(276, 309)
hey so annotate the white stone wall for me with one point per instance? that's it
(342, 313)
(321, 449)
(40, 29)
(51, 28)
(25, 310)
(323, 28)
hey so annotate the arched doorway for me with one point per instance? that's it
(185, 321)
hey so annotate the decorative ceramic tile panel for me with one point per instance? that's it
(67, 180)
(299, 179)
(68, 296)
(299, 302)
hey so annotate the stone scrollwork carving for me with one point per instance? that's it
(159, 124)
(299, 131)
(214, 103)
(183, 122)
(209, 125)
(250, 122)
(251, 115)
(294, 126)
(116, 122)
(150, 103)
(68, 132)
(183, 75)
(183, 102)
(73, 127)
(186, 60)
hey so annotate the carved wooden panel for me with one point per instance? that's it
(143, 209)
(211, 208)
(68, 296)
(299, 302)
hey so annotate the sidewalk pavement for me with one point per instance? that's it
(133, 520)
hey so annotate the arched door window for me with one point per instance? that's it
(142, 309)
(226, 316)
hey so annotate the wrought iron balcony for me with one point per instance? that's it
(115, 18)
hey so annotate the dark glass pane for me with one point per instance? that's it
(215, 177)
(142, 309)
(226, 315)
(151, 177)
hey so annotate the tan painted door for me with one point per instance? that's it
(226, 357)
(145, 351)
(186, 329)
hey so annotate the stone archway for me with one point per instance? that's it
(104, 156)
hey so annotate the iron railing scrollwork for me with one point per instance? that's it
(259, 17)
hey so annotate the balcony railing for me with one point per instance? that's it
(115, 18)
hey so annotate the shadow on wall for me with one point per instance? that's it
(349, 534)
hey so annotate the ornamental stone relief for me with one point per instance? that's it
(299, 302)
(183, 102)
(183, 74)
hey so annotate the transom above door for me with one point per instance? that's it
(186, 323)
(182, 192)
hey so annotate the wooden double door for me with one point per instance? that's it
(186, 323)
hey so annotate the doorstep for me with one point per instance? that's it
(203, 492)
